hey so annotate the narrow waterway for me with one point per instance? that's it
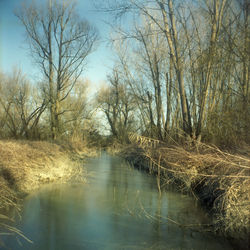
(119, 208)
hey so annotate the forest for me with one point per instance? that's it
(181, 72)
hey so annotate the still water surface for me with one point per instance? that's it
(119, 208)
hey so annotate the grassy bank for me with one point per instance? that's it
(26, 165)
(218, 179)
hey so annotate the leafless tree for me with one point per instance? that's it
(117, 104)
(21, 107)
(60, 42)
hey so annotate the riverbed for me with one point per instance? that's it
(118, 208)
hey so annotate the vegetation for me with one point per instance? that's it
(60, 42)
(184, 65)
(181, 72)
(180, 84)
(54, 106)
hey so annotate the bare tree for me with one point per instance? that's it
(20, 106)
(77, 111)
(60, 42)
(117, 104)
(216, 13)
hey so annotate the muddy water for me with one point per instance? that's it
(119, 208)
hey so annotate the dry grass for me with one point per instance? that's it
(219, 179)
(26, 165)
(115, 148)
(79, 148)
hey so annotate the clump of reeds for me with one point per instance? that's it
(218, 179)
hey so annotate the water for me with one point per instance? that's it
(119, 208)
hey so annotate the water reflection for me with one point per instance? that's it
(119, 208)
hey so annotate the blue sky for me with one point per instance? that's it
(14, 49)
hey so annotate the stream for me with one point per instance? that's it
(118, 208)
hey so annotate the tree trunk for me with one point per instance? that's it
(175, 56)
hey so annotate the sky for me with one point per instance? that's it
(14, 48)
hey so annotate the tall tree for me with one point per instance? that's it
(216, 13)
(59, 41)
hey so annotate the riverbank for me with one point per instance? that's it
(219, 180)
(26, 165)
